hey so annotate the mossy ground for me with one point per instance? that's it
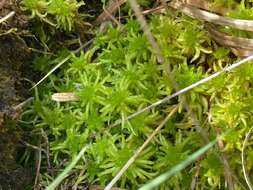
(113, 77)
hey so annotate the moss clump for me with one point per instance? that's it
(119, 75)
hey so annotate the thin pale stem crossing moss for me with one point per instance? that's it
(188, 88)
(137, 153)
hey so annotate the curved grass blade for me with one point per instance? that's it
(65, 172)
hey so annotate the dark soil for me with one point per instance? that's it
(14, 53)
(12, 175)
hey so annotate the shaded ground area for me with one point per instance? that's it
(12, 175)
(13, 54)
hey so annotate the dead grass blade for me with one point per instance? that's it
(61, 63)
(52, 70)
(38, 166)
(9, 15)
(22, 104)
(241, 47)
(212, 17)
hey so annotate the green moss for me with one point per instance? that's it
(119, 75)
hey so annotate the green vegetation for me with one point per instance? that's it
(59, 13)
(117, 75)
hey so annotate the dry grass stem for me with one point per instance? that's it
(11, 14)
(44, 135)
(61, 63)
(38, 164)
(212, 17)
(22, 104)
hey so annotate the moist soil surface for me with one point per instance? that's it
(14, 54)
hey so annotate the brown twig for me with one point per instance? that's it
(44, 135)
(38, 164)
